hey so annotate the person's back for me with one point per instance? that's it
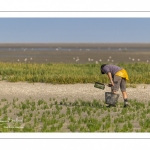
(110, 68)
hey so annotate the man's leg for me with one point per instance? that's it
(116, 86)
(124, 93)
(117, 81)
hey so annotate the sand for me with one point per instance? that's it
(36, 91)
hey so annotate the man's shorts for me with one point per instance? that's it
(119, 82)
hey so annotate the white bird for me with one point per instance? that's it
(92, 59)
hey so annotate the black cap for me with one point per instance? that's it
(102, 66)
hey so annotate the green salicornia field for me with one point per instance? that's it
(78, 116)
(69, 73)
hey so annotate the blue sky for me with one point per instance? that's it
(74, 30)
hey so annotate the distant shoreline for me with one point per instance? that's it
(81, 45)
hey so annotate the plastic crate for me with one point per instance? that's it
(111, 98)
(99, 85)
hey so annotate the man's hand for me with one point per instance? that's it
(112, 83)
(109, 85)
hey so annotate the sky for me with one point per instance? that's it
(74, 30)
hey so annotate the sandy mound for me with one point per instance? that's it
(24, 90)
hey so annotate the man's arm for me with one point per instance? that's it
(110, 78)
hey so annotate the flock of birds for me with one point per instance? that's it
(77, 59)
(92, 60)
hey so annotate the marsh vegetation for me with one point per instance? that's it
(78, 116)
(69, 73)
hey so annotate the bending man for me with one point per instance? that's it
(117, 77)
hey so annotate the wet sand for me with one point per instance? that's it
(75, 53)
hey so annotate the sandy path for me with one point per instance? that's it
(24, 90)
